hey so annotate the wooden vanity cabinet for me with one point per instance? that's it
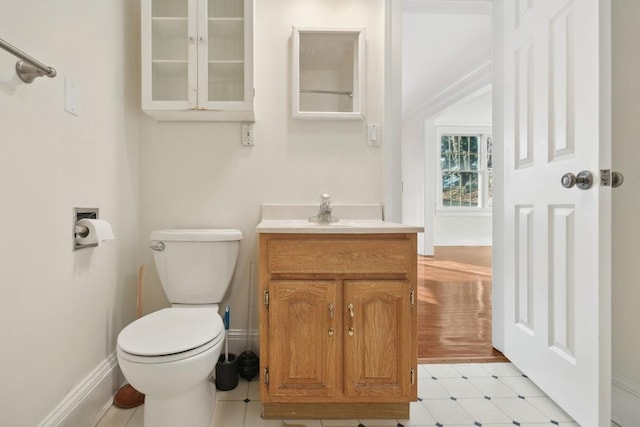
(338, 325)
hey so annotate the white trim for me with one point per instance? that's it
(90, 399)
(238, 340)
(475, 83)
(458, 211)
(497, 103)
(86, 404)
(625, 401)
(392, 153)
(448, 7)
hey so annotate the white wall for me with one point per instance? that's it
(440, 47)
(444, 46)
(198, 174)
(451, 229)
(419, 172)
(626, 204)
(61, 310)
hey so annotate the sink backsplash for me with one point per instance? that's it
(282, 211)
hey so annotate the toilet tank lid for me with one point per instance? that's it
(197, 235)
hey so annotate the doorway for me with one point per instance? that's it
(446, 82)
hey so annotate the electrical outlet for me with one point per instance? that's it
(247, 135)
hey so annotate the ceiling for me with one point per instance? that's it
(442, 41)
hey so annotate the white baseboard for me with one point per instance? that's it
(89, 400)
(625, 401)
(238, 341)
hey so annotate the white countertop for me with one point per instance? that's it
(353, 219)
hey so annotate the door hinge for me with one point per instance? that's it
(412, 298)
(605, 177)
(266, 297)
(413, 376)
(265, 377)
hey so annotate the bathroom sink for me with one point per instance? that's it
(358, 219)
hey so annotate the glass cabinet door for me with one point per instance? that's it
(225, 65)
(172, 35)
(197, 59)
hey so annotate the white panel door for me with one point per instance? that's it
(557, 274)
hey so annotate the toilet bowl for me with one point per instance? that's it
(169, 355)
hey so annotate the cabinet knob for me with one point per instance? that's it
(192, 40)
(330, 332)
(351, 331)
(351, 312)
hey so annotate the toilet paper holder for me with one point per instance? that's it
(84, 221)
(81, 231)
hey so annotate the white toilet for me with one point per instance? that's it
(169, 354)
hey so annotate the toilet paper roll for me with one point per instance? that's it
(99, 231)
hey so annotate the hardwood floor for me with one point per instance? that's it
(454, 306)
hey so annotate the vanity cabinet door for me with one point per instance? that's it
(303, 337)
(377, 340)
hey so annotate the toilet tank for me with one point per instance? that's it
(195, 266)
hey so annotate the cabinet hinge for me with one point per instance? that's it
(266, 297)
(265, 377)
(413, 376)
(412, 298)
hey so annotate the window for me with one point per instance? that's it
(465, 165)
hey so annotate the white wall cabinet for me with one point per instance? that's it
(197, 60)
(328, 73)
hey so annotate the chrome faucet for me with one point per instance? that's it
(325, 211)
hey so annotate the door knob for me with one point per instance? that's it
(616, 179)
(583, 181)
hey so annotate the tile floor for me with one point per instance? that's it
(482, 394)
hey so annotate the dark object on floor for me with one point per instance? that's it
(128, 397)
(227, 372)
(248, 364)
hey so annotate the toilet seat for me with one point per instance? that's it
(171, 334)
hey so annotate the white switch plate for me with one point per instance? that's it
(248, 135)
(373, 135)
(71, 102)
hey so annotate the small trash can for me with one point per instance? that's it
(248, 364)
(227, 372)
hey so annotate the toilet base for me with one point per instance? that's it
(193, 407)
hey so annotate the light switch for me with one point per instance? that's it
(373, 132)
(71, 98)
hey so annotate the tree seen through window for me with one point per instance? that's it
(466, 163)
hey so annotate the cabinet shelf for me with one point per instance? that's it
(226, 61)
(168, 66)
(223, 19)
(169, 27)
